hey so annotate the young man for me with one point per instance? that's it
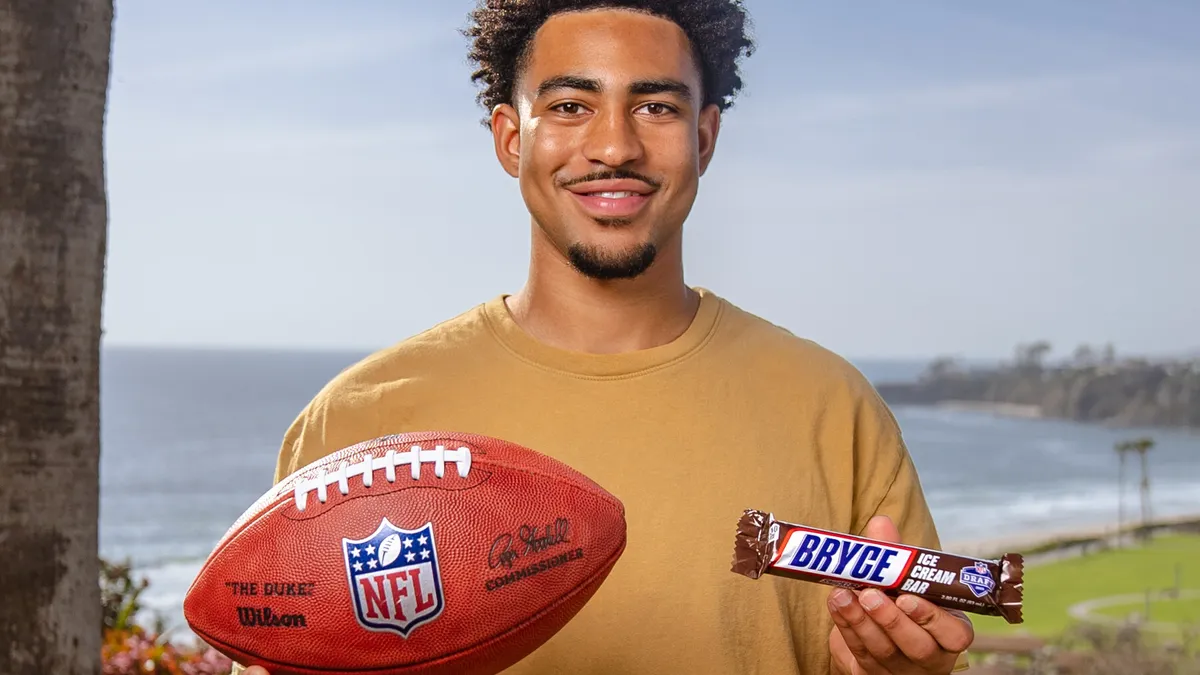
(684, 406)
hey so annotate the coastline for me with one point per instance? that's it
(1024, 411)
(1130, 392)
(1045, 545)
(1018, 410)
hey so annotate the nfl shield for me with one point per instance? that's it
(394, 578)
(978, 578)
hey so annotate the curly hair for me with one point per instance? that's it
(502, 30)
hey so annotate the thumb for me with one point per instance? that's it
(883, 529)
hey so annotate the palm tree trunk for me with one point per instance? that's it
(1121, 496)
(54, 73)
(1145, 492)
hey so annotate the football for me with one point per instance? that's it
(414, 553)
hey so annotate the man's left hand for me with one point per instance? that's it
(874, 635)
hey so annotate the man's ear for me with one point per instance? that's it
(708, 127)
(506, 134)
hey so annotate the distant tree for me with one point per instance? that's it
(941, 367)
(1141, 446)
(54, 74)
(1030, 356)
(1084, 357)
(1109, 356)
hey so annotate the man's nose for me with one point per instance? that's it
(613, 139)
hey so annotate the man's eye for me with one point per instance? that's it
(569, 108)
(657, 109)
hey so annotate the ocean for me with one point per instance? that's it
(189, 440)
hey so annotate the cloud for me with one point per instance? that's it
(963, 96)
(198, 142)
(947, 201)
(1159, 151)
(302, 57)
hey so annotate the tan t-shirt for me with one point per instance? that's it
(736, 413)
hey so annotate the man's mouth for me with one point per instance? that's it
(611, 195)
(611, 203)
(612, 198)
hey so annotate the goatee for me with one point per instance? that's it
(597, 263)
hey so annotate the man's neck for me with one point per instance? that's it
(562, 308)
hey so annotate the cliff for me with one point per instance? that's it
(1127, 392)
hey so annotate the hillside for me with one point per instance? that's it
(1087, 388)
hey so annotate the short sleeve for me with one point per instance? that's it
(330, 422)
(885, 478)
(903, 499)
(896, 491)
(289, 448)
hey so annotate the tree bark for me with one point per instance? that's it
(54, 75)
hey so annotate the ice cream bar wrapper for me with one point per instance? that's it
(764, 545)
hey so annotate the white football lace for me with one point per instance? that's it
(369, 465)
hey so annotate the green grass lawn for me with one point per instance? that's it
(1053, 587)
(1178, 611)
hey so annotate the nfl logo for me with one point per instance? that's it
(394, 578)
(978, 578)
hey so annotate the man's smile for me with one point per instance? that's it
(617, 198)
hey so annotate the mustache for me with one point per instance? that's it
(615, 174)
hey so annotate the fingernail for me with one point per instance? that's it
(842, 598)
(907, 604)
(871, 599)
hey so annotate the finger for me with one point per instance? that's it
(839, 653)
(255, 670)
(913, 641)
(950, 628)
(868, 643)
(857, 651)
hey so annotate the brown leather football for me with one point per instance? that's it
(426, 553)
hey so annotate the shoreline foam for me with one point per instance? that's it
(1043, 545)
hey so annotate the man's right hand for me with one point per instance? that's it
(255, 670)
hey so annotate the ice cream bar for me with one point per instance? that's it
(764, 545)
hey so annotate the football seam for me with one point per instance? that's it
(409, 487)
(609, 563)
(566, 480)
(584, 485)
(565, 472)
(580, 482)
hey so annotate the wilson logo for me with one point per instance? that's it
(263, 617)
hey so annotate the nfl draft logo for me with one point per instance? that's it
(394, 578)
(978, 578)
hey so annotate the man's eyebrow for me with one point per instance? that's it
(662, 86)
(639, 88)
(568, 82)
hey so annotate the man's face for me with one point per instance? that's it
(608, 138)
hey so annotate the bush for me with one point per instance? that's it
(1101, 650)
(1090, 649)
(131, 649)
(119, 594)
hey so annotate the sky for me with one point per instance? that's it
(898, 180)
